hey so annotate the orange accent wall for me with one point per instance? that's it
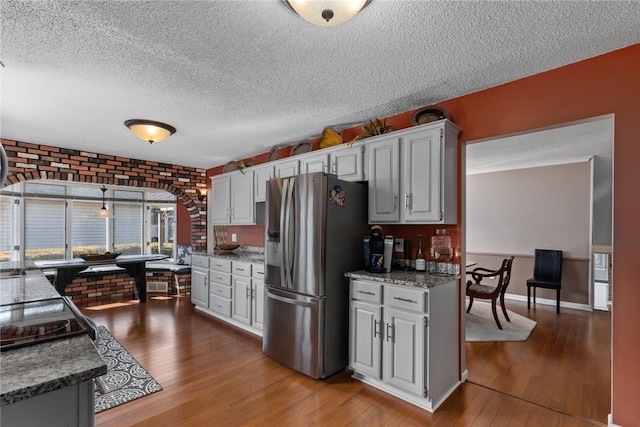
(606, 84)
(183, 224)
(602, 85)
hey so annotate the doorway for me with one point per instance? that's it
(559, 366)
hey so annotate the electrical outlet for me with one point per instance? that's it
(234, 237)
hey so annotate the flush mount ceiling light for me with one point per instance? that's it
(150, 131)
(327, 13)
(103, 212)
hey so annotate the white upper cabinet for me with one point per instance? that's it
(384, 179)
(261, 174)
(221, 199)
(315, 163)
(233, 198)
(348, 162)
(413, 175)
(287, 168)
(344, 161)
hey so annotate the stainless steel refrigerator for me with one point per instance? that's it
(314, 228)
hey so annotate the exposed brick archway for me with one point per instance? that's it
(28, 162)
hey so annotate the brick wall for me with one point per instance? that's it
(33, 161)
(101, 289)
(179, 284)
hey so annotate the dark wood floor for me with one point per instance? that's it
(215, 374)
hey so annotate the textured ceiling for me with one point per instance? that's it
(237, 77)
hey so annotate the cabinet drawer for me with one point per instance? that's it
(406, 298)
(200, 261)
(366, 291)
(241, 268)
(220, 290)
(223, 265)
(220, 305)
(257, 271)
(220, 278)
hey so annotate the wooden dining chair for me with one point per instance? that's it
(547, 273)
(477, 289)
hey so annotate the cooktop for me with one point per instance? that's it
(35, 322)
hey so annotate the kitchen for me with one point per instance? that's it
(506, 117)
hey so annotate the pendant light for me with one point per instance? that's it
(327, 13)
(149, 130)
(103, 212)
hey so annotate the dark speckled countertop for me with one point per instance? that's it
(405, 278)
(29, 371)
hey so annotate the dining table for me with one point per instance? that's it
(135, 266)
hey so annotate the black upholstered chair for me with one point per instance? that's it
(476, 289)
(547, 273)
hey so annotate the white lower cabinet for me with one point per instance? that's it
(232, 291)
(241, 292)
(220, 287)
(200, 280)
(391, 346)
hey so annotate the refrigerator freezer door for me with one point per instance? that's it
(293, 331)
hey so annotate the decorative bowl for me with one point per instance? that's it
(99, 257)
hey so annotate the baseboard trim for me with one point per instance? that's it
(464, 376)
(552, 302)
(610, 421)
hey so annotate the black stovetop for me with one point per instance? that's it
(34, 322)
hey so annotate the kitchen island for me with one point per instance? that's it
(404, 334)
(48, 383)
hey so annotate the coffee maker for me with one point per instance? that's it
(378, 251)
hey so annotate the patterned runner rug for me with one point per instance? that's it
(125, 379)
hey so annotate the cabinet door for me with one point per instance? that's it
(287, 168)
(257, 302)
(403, 354)
(220, 187)
(421, 176)
(242, 204)
(384, 180)
(260, 177)
(242, 299)
(199, 287)
(348, 164)
(365, 338)
(316, 163)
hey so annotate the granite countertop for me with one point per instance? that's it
(405, 278)
(252, 256)
(36, 369)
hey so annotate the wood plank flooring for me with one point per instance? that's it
(565, 364)
(214, 375)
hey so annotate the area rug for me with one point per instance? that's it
(481, 326)
(125, 379)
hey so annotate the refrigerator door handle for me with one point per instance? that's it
(291, 237)
(283, 234)
(291, 301)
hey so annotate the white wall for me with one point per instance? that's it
(519, 210)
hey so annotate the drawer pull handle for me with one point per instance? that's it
(366, 292)
(405, 300)
(375, 328)
(389, 336)
(240, 269)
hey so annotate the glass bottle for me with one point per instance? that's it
(421, 263)
(441, 249)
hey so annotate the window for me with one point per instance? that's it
(44, 229)
(127, 228)
(6, 228)
(88, 232)
(56, 220)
